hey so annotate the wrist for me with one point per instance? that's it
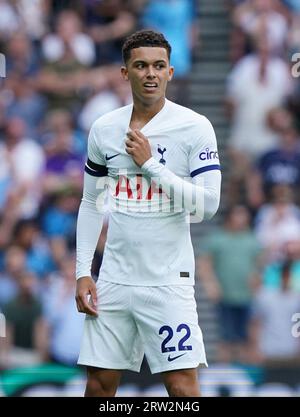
(152, 167)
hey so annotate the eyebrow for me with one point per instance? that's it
(140, 61)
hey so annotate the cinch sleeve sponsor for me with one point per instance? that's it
(204, 154)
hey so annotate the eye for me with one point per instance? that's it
(140, 65)
(160, 66)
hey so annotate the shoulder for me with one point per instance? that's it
(189, 117)
(112, 118)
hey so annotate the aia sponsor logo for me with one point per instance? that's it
(137, 188)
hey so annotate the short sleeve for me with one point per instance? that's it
(204, 155)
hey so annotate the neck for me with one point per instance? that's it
(144, 112)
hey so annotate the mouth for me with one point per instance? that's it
(150, 86)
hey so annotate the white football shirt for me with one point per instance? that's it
(148, 241)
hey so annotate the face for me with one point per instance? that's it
(239, 218)
(148, 70)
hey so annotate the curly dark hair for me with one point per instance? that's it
(144, 38)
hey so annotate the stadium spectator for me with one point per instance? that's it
(228, 269)
(59, 221)
(68, 56)
(263, 16)
(108, 22)
(28, 236)
(25, 342)
(273, 309)
(69, 36)
(280, 165)
(24, 102)
(64, 154)
(277, 223)
(272, 273)
(21, 161)
(116, 94)
(63, 321)
(14, 264)
(21, 57)
(257, 75)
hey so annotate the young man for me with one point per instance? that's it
(144, 300)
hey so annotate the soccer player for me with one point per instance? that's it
(160, 163)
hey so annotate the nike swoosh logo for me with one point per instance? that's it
(174, 357)
(111, 157)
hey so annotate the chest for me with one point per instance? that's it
(168, 148)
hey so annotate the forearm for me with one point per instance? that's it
(200, 197)
(89, 225)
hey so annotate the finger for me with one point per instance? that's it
(130, 151)
(89, 309)
(140, 135)
(85, 307)
(94, 296)
(132, 135)
(77, 305)
(129, 143)
(80, 306)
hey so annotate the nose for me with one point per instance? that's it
(151, 73)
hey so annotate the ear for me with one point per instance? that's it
(171, 73)
(124, 73)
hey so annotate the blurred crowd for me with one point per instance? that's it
(250, 266)
(62, 72)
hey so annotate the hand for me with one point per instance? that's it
(137, 145)
(86, 286)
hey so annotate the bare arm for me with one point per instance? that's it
(208, 278)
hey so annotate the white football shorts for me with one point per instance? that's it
(160, 322)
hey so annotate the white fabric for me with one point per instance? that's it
(148, 240)
(198, 198)
(131, 321)
(89, 227)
